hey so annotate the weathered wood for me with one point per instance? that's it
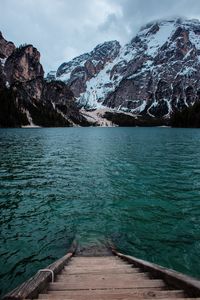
(100, 269)
(98, 277)
(174, 279)
(118, 297)
(96, 260)
(71, 267)
(105, 284)
(118, 294)
(107, 291)
(120, 277)
(96, 264)
(32, 287)
(99, 258)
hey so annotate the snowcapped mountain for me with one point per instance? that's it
(155, 74)
(84, 67)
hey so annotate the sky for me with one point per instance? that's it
(63, 29)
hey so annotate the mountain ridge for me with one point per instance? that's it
(26, 98)
(84, 67)
(147, 82)
(154, 74)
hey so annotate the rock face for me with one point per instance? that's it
(6, 48)
(26, 98)
(153, 75)
(156, 74)
(165, 76)
(80, 70)
(2, 77)
(23, 65)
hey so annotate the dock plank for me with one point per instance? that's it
(103, 276)
(104, 284)
(107, 278)
(112, 294)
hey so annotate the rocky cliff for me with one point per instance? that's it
(156, 73)
(146, 82)
(23, 65)
(26, 98)
(6, 48)
(80, 70)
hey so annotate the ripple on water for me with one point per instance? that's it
(138, 187)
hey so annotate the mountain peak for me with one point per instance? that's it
(6, 47)
(154, 74)
(86, 66)
(150, 73)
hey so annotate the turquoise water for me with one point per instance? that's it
(139, 187)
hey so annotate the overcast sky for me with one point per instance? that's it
(63, 29)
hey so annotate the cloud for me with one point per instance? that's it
(138, 12)
(62, 29)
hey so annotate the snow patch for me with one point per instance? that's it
(187, 71)
(140, 108)
(3, 60)
(64, 77)
(194, 39)
(96, 117)
(7, 85)
(31, 124)
(155, 41)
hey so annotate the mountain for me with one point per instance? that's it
(6, 49)
(77, 72)
(152, 80)
(155, 74)
(26, 98)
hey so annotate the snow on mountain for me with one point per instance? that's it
(146, 43)
(84, 67)
(160, 74)
(154, 74)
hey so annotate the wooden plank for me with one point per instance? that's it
(100, 258)
(100, 266)
(32, 287)
(103, 276)
(140, 293)
(96, 260)
(108, 271)
(118, 296)
(105, 284)
(171, 277)
(96, 264)
(117, 276)
(114, 297)
(113, 294)
(119, 270)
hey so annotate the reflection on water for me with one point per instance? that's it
(138, 187)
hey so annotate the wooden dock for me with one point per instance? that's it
(116, 276)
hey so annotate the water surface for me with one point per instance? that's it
(139, 187)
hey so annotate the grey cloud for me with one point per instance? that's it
(61, 29)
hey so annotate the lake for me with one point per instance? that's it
(138, 187)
